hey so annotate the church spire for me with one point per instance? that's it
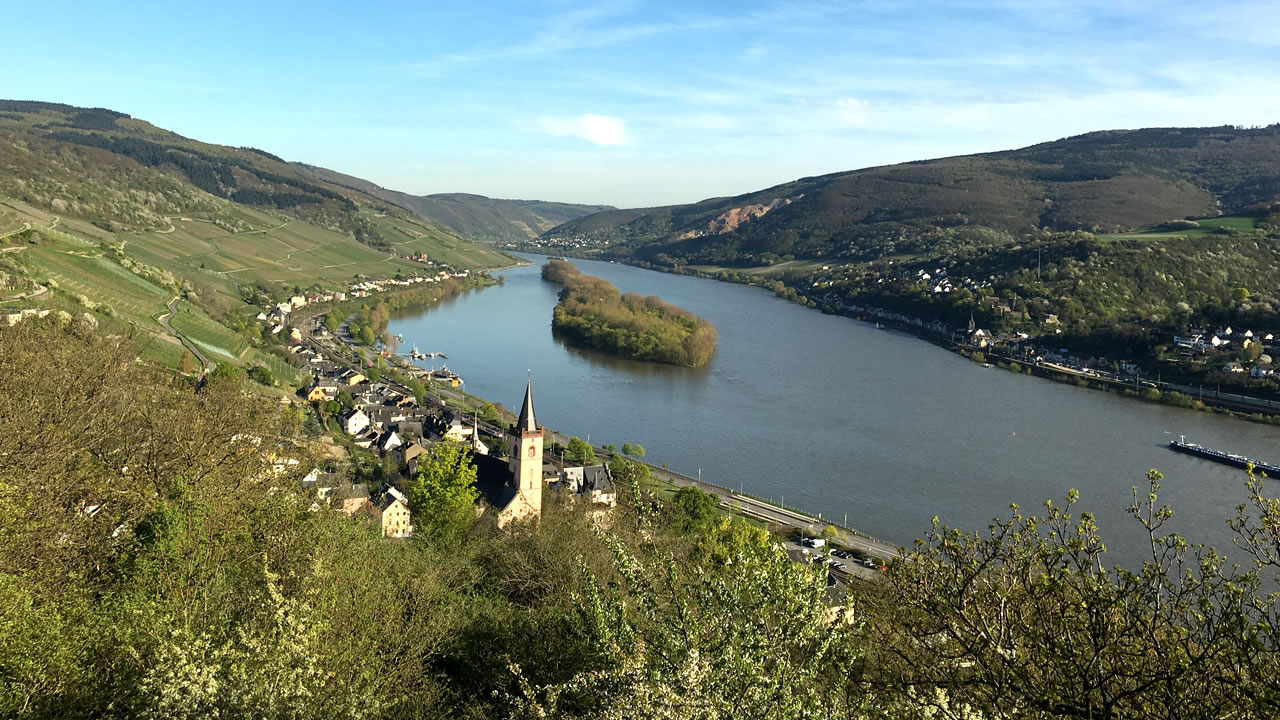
(527, 424)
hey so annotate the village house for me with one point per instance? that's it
(388, 442)
(593, 482)
(453, 428)
(393, 510)
(355, 422)
(352, 499)
(409, 430)
(409, 456)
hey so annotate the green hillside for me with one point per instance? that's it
(475, 217)
(1104, 182)
(1108, 243)
(107, 214)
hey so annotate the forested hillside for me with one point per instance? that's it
(474, 217)
(1103, 182)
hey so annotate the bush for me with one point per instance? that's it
(261, 375)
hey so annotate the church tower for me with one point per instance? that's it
(526, 461)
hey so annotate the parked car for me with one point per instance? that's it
(870, 562)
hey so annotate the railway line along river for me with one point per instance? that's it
(833, 416)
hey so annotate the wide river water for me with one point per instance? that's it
(833, 416)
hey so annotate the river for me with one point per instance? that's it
(833, 416)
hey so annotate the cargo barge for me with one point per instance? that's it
(1181, 445)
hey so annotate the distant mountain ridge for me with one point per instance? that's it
(1107, 181)
(475, 217)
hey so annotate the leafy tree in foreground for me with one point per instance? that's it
(756, 641)
(1025, 620)
(443, 495)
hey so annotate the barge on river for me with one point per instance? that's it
(1181, 445)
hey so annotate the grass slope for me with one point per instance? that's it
(108, 214)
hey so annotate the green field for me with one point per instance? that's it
(1208, 226)
(80, 271)
(764, 270)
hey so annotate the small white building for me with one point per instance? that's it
(355, 422)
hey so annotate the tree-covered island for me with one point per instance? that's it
(593, 314)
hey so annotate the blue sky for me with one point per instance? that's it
(631, 103)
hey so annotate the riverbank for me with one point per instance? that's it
(780, 517)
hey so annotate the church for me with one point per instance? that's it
(514, 488)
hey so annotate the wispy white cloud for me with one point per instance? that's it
(596, 129)
(853, 112)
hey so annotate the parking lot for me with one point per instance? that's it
(842, 565)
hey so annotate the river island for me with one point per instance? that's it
(592, 313)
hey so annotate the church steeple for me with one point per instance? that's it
(526, 423)
(525, 462)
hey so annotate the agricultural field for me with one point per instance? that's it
(1208, 226)
(764, 270)
(214, 254)
(294, 253)
(81, 270)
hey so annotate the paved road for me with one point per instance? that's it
(164, 320)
